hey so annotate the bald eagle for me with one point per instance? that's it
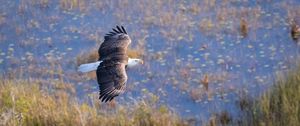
(112, 64)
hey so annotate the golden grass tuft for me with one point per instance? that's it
(205, 81)
(243, 27)
(134, 53)
(87, 57)
(73, 4)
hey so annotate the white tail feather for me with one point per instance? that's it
(89, 67)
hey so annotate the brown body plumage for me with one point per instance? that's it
(111, 73)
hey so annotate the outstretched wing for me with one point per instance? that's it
(111, 73)
(115, 43)
(112, 81)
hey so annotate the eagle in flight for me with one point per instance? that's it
(112, 64)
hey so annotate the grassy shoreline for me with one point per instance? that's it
(29, 102)
(280, 105)
(35, 102)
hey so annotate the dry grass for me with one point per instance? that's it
(279, 106)
(243, 28)
(32, 102)
(221, 119)
(205, 81)
(87, 57)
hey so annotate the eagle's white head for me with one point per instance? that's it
(133, 62)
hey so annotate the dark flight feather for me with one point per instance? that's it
(115, 30)
(118, 30)
(111, 73)
(124, 30)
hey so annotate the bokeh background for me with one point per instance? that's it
(201, 57)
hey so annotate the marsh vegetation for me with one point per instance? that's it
(207, 62)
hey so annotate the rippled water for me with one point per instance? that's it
(181, 42)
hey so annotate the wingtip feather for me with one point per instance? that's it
(123, 29)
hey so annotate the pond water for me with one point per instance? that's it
(239, 45)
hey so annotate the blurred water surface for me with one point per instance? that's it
(239, 45)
